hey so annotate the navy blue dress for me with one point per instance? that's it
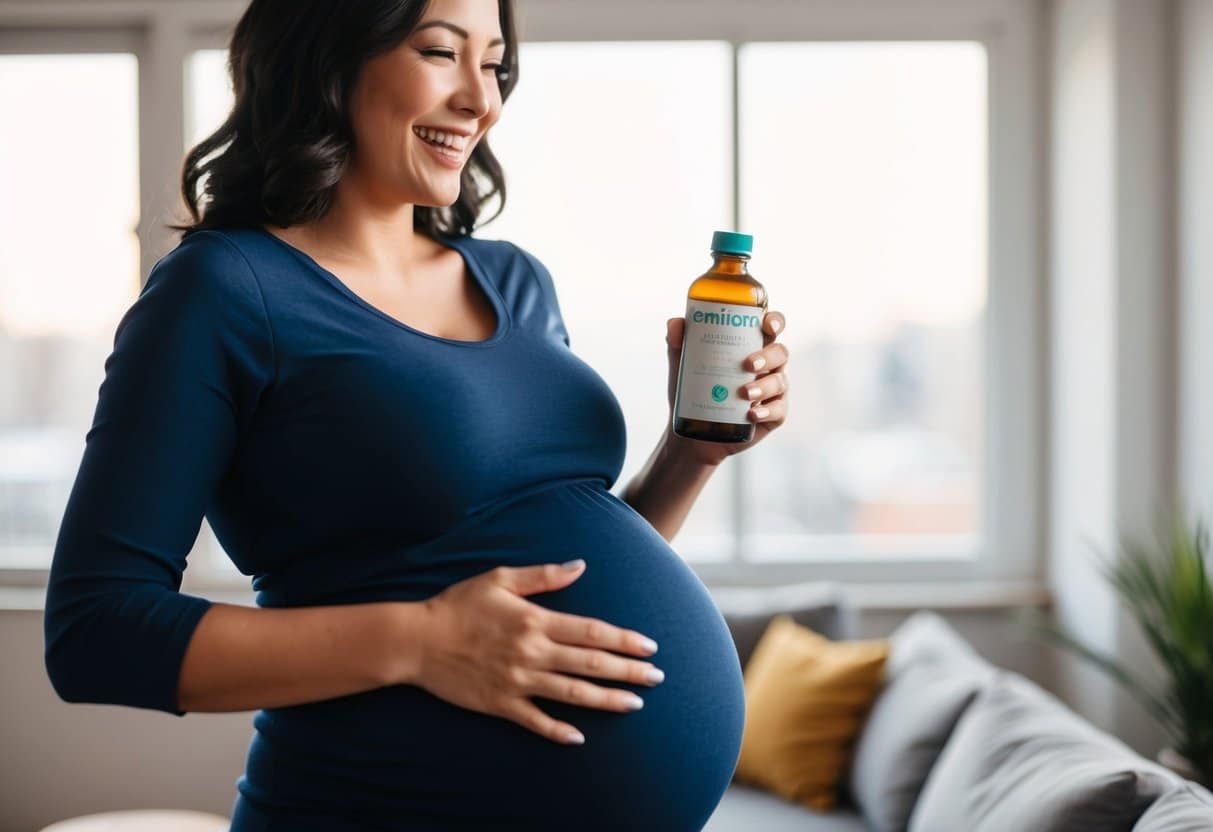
(343, 457)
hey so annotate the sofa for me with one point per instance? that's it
(953, 742)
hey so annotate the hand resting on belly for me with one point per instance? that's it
(486, 648)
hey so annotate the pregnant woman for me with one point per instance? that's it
(382, 419)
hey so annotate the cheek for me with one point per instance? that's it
(379, 125)
(491, 118)
(406, 94)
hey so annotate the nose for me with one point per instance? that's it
(473, 96)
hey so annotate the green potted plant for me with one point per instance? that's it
(1168, 591)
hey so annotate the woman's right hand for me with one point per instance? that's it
(488, 649)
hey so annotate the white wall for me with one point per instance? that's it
(1195, 249)
(1113, 325)
(1081, 295)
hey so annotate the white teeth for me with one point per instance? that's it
(449, 139)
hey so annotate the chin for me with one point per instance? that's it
(440, 203)
(437, 199)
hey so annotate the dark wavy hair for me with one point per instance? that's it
(288, 139)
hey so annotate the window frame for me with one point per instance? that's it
(35, 37)
(1015, 378)
(163, 33)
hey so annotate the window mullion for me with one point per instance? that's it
(161, 133)
(739, 467)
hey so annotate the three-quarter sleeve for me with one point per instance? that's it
(191, 357)
(554, 325)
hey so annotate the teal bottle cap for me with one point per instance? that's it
(730, 242)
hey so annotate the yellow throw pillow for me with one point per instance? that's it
(806, 699)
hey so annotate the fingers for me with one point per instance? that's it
(526, 714)
(767, 387)
(592, 632)
(580, 692)
(769, 358)
(561, 688)
(603, 665)
(773, 323)
(775, 411)
(544, 577)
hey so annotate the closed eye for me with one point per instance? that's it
(499, 69)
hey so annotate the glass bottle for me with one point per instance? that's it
(725, 309)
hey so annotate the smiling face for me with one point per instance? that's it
(435, 80)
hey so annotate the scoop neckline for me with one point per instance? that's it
(474, 267)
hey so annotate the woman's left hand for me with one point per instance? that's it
(768, 408)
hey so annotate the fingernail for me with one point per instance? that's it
(573, 564)
(761, 412)
(634, 702)
(759, 363)
(654, 675)
(575, 737)
(648, 644)
(775, 326)
(754, 392)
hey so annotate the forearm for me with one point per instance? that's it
(666, 488)
(244, 658)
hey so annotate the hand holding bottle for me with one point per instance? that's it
(727, 383)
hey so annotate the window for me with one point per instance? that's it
(864, 184)
(642, 136)
(885, 163)
(208, 94)
(59, 303)
(866, 191)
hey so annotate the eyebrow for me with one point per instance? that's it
(456, 29)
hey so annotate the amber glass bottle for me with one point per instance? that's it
(725, 308)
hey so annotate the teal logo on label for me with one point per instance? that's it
(725, 318)
(719, 393)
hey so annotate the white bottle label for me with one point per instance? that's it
(718, 339)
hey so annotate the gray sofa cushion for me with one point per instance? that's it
(1186, 808)
(748, 610)
(749, 809)
(926, 639)
(1019, 759)
(930, 678)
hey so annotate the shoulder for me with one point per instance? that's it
(504, 256)
(207, 266)
(497, 251)
(204, 291)
(529, 283)
(212, 251)
(198, 320)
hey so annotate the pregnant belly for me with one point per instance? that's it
(401, 758)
